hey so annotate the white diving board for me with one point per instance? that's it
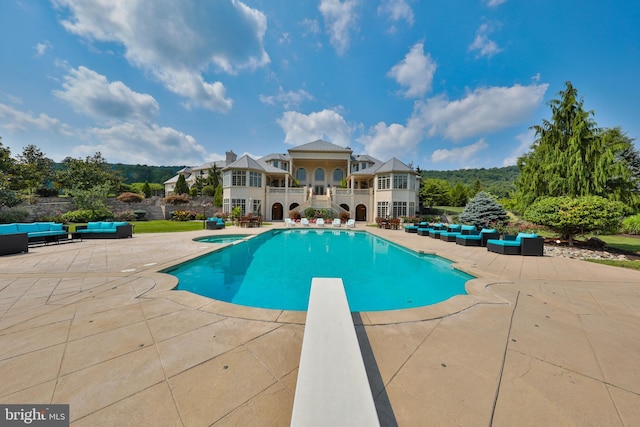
(332, 387)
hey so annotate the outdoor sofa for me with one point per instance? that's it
(523, 244)
(37, 232)
(477, 238)
(215, 223)
(12, 241)
(105, 230)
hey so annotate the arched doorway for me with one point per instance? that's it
(361, 213)
(293, 205)
(276, 212)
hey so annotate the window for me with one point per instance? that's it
(239, 178)
(256, 207)
(400, 182)
(412, 182)
(364, 166)
(338, 175)
(275, 164)
(399, 209)
(301, 174)
(255, 179)
(226, 205)
(384, 182)
(319, 175)
(355, 167)
(226, 179)
(412, 209)
(383, 209)
(239, 202)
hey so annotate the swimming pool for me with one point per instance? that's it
(274, 270)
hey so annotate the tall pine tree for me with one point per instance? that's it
(571, 156)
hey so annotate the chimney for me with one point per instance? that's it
(231, 157)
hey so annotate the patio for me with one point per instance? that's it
(539, 341)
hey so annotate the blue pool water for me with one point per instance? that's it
(274, 270)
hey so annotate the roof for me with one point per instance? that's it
(245, 162)
(393, 165)
(321, 145)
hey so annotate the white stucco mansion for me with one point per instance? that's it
(318, 174)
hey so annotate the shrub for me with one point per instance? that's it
(310, 213)
(86, 215)
(208, 190)
(183, 215)
(124, 216)
(344, 216)
(295, 215)
(576, 216)
(631, 224)
(176, 199)
(57, 217)
(13, 215)
(130, 198)
(482, 210)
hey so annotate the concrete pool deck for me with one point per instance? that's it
(539, 341)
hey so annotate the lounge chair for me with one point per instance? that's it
(350, 223)
(289, 222)
(319, 222)
(453, 232)
(425, 231)
(336, 222)
(523, 244)
(304, 222)
(477, 238)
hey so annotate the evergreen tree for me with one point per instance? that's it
(35, 169)
(570, 157)
(483, 210)
(181, 186)
(435, 192)
(217, 196)
(458, 195)
(8, 178)
(146, 189)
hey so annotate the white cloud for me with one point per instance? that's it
(525, 140)
(326, 124)
(90, 93)
(42, 48)
(482, 44)
(394, 140)
(21, 121)
(415, 72)
(482, 111)
(458, 154)
(177, 40)
(397, 10)
(140, 143)
(495, 3)
(340, 19)
(288, 99)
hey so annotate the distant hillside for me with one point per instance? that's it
(499, 181)
(139, 173)
(142, 173)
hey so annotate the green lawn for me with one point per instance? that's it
(631, 244)
(166, 226)
(634, 265)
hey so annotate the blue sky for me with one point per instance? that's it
(439, 84)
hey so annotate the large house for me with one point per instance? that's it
(319, 174)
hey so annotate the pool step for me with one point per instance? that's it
(332, 387)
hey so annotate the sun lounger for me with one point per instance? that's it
(477, 238)
(350, 223)
(319, 222)
(336, 222)
(304, 222)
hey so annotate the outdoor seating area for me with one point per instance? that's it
(215, 223)
(388, 223)
(250, 221)
(105, 230)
